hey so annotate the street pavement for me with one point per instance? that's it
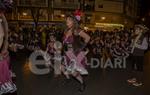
(99, 81)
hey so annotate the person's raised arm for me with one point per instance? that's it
(5, 27)
(85, 36)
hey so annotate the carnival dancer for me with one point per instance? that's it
(6, 84)
(50, 46)
(50, 49)
(139, 45)
(75, 37)
(54, 57)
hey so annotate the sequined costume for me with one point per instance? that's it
(75, 58)
(6, 84)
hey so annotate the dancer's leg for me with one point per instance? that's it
(64, 71)
(80, 79)
(57, 67)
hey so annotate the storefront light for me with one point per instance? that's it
(62, 15)
(103, 18)
(86, 28)
(108, 25)
(24, 14)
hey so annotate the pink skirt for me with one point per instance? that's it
(4, 71)
(6, 84)
(76, 63)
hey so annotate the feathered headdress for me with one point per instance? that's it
(6, 4)
(78, 14)
(76, 17)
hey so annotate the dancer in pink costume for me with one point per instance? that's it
(74, 41)
(6, 84)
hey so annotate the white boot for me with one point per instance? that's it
(14, 88)
(3, 89)
(8, 87)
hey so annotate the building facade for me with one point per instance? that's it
(115, 13)
(97, 13)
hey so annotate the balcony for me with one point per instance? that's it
(33, 3)
(66, 5)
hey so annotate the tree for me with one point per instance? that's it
(35, 12)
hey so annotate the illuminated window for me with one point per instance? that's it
(24, 14)
(88, 18)
(43, 15)
(57, 15)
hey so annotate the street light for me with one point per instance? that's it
(103, 18)
(62, 15)
(86, 28)
(24, 14)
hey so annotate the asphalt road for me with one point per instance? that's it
(99, 81)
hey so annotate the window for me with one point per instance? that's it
(89, 7)
(57, 15)
(63, 0)
(88, 18)
(115, 0)
(39, 3)
(24, 14)
(100, 6)
(71, 1)
(43, 15)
